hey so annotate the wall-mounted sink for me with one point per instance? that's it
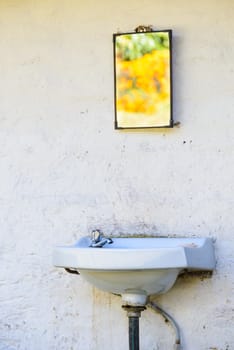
(136, 267)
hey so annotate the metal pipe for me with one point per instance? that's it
(133, 331)
(133, 313)
(168, 318)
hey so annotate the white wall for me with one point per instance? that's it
(65, 170)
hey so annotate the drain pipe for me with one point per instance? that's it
(133, 313)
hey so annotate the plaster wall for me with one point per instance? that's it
(65, 170)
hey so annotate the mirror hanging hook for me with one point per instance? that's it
(144, 29)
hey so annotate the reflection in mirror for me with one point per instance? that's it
(143, 87)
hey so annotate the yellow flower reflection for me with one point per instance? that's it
(143, 82)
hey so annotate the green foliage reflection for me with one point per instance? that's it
(133, 46)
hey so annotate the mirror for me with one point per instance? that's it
(143, 79)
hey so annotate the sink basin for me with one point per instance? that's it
(136, 267)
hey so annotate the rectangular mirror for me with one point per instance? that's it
(143, 80)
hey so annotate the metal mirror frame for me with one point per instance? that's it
(139, 31)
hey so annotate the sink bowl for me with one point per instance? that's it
(136, 267)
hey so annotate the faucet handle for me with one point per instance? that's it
(96, 236)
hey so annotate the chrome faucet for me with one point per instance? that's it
(98, 240)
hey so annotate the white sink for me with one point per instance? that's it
(136, 267)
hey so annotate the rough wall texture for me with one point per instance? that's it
(65, 170)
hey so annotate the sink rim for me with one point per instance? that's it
(183, 253)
